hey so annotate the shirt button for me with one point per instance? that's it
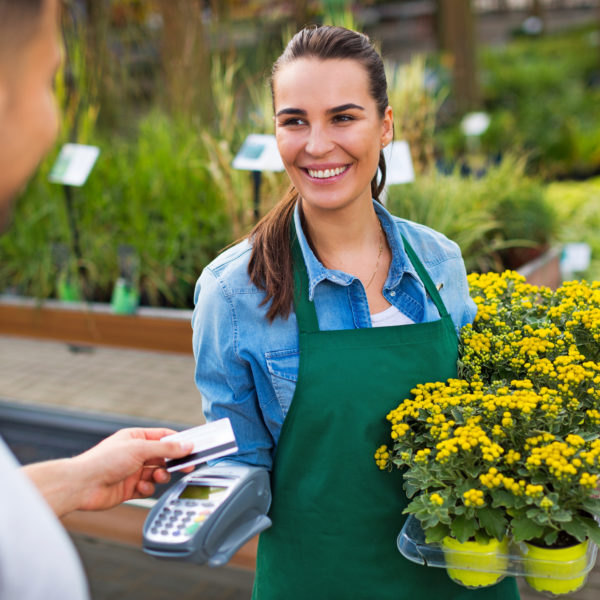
(392, 293)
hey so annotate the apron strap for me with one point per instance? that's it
(425, 278)
(306, 315)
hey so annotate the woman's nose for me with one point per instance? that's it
(319, 142)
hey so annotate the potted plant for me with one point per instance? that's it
(512, 447)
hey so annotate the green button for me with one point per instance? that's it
(192, 528)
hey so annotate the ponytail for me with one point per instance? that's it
(271, 268)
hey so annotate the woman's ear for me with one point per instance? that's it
(387, 127)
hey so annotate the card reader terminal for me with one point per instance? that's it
(207, 515)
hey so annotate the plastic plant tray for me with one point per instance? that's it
(412, 545)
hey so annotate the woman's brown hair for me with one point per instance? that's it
(271, 267)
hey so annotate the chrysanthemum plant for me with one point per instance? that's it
(513, 446)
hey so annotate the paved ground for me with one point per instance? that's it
(142, 384)
(119, 572)
(106, 380)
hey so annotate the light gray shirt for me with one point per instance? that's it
(37, 559)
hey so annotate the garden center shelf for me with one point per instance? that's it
(517, 559)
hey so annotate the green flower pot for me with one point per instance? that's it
(475, 565)
(556, 570)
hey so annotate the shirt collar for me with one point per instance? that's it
(317, 272)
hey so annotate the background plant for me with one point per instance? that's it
(113, 93)
(489, 216)
(542, 96)
(416, 103)
(577, 205)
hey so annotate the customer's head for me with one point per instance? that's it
(29, 57)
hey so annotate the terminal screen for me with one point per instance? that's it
(201, 492)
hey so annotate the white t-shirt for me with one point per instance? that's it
(37, 559)
(389, 317)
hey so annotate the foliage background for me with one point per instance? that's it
(169, 104)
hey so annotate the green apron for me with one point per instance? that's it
(335, 515)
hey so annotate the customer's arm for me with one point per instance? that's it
(125, 465)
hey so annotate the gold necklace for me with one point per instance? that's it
(378, 256)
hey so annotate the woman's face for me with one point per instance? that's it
(328, 130)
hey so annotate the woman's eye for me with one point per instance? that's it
(294, 121)
(343, 118)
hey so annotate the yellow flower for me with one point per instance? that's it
(436, 499)
(382, 456)
(473, 497)
(588, 481)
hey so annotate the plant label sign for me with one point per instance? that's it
(74, 164)
(399, 165)
(258, 153)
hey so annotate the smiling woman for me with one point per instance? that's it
(309, 330)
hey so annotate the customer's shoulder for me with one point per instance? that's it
(430, 245)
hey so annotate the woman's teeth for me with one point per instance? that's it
(326, 172)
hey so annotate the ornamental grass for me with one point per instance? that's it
(512, 445)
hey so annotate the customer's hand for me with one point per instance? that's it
(125, 465)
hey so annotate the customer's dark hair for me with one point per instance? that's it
(270, 267)
(19, 21)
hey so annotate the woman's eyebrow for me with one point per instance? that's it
(343, 107)
(291, 111)
(329, 111)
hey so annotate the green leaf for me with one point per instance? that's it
(493, 521)
(457, 415)
(437, 533)
(562, 516)
(551, 537)
(473, 471)
(430, 521)
(592, 505)
(481, 537)
(594, 533)
(525, 529)
(577, 528)
(411, 489)
(414, 506)
(463, 528)
(502, 498)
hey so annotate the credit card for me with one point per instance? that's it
(212, 440)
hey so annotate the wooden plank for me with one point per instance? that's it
(124, 524)
(97, 328)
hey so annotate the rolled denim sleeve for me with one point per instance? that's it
(462, 308)
(224, 379)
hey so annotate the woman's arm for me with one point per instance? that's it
(225, 379)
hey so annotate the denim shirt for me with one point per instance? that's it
(247, 367)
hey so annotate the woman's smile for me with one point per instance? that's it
(326, 174)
